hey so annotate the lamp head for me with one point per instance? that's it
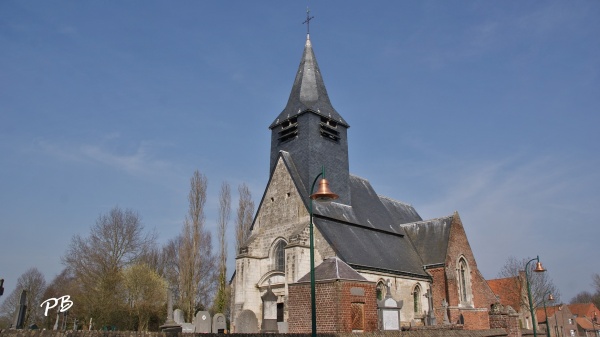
(539, 268)
(324, 194)
(550, 297)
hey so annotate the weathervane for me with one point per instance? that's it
(308, 18)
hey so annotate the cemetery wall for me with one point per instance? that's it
(509, 322)
(422, 332)
(476, 319)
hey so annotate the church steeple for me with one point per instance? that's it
(311, 130)
(308, 91)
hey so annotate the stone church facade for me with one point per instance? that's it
(428, 265)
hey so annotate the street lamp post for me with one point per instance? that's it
(323, 194)
(550, 298)
(538, 269)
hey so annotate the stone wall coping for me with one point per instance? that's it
(413, 332)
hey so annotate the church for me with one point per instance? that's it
(379, 246)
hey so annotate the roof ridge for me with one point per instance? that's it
(394, 200)
(359, 177)
(427, 220)
(502, 278)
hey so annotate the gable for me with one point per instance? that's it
(281, 211)
(459, 247)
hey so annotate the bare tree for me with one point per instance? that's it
(63, 284)
(34, 283)
(245, 213)
(116, 240)
(221, 299)
(196, 264)
(171, 268)
(596, 282)
(541, 284)
(586, 296)
(582, 297)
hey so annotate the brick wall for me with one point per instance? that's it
(369, 305)
(476, 319)
(438, 290)
(506, 321)
(334, 301)
(475, 313)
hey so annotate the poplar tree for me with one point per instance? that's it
(222, 298)
(196, 264)
(245, 213)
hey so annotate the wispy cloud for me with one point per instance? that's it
(522, 27)
(529, 188)
(534, 205)
(139, 159)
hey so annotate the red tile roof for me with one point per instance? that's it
(584, 309)
(540, 315)
(585, 323)
(509, 291)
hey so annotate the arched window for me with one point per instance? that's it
(417, 299)
(380, 290)
(464, 282)
(279, 255)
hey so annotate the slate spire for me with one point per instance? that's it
(308, 92)
(312, 132)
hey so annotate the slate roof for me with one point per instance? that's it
(308, 92)
(430, 238)
(366, 249)
(365, 235)
(401, 212)
(333, 269)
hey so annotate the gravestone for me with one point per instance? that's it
(246, 322)
(430, 319)
(269, 321)
(188, 328)
(169, 308)
(389, 310)
(21, 310)
(57, 319)
(203, 322)
(445, 309)
(219, 323)
(283, 327)
(170, 325)
(178, 316)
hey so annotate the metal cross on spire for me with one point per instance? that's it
(308, 18)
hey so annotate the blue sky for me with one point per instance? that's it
(489, 108)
